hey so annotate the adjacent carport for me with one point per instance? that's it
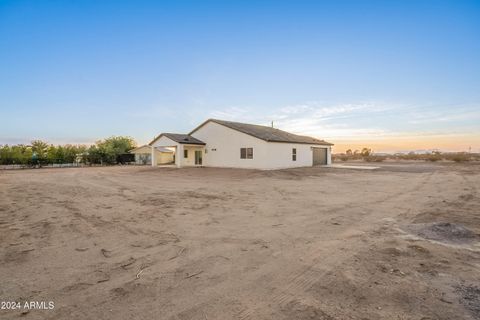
(188, 151)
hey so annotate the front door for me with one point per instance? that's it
(198, 157)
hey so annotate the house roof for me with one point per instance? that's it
(265, 133)
(180, 138)
(139, 148)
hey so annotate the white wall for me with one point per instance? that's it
(164, 157)
(164, 142)
(227, 143)
(142, 149)
(280, 155)
(266, 155)
(190, 161)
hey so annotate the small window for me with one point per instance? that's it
(294, 154)
(243, 153)
(185, 153)
(249, 153)
(246, 153)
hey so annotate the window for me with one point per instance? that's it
(185, 153)
(249, 153)
(294, 154)
(246, 153)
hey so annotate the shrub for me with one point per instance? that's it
(41, 153)
(460, 157)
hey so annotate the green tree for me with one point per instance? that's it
(40, 150)
(94, 154)
(5, 154)
(73, 153)
(19, 154)
(55, 154)
(108, 150)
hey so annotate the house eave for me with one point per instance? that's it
(310, 143)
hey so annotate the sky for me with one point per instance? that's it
(389, 75)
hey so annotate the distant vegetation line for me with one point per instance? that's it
(38, 153)
(366, 154)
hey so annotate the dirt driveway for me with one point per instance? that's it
(400, 242)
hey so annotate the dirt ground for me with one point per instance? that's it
(400, 242)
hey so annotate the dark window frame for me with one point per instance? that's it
(294, 154)
(246, 153)
(185, 153)
(249, 153)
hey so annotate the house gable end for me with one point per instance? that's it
(224, 126)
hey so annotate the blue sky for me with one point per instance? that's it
(393, 75)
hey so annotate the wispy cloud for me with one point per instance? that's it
(328, 121)
(452, 115)
(312, 118)
(363, 122)
(320, 111)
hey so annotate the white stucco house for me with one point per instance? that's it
(219, 143)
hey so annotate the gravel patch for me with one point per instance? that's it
(470, 299)
(443, 232)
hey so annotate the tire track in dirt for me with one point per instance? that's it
(299, 281)
(289, 284)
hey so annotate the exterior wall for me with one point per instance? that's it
(164, 157)
(281, 155)
(164, 142)
(223, 147)
(266, 155)
(190, 161)
(142, 149)
(178, 155)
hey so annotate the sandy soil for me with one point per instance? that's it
(202, 243)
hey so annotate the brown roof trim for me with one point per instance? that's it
(175, 138)
(291, 142)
